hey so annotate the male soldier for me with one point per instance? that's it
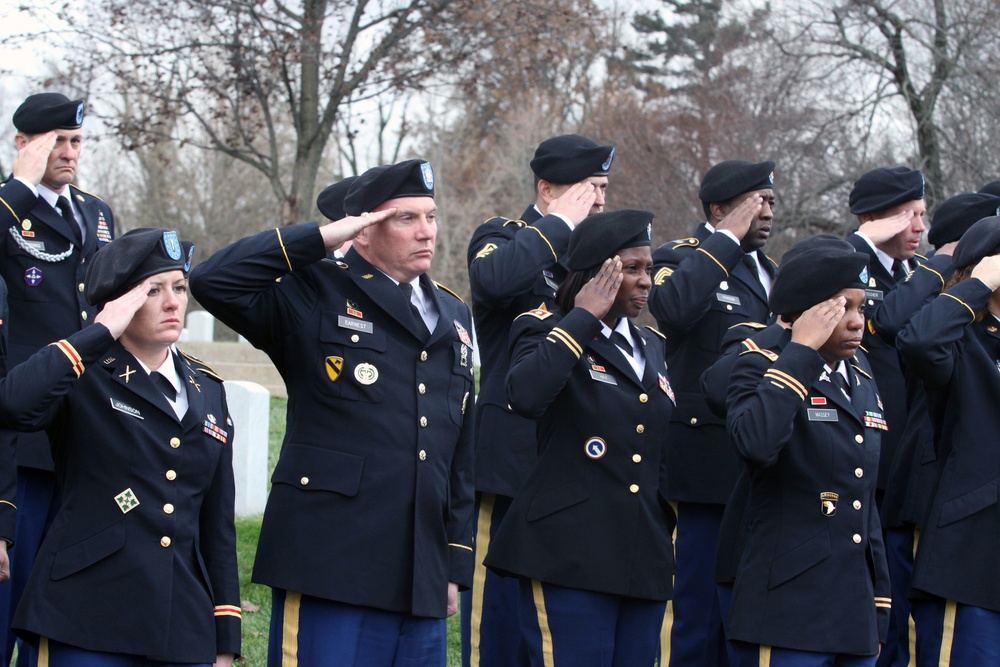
(49, 232)
(702, 286)
(367, 533)
(515, 266)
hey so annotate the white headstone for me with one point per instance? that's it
(249, 406)
(201, 326)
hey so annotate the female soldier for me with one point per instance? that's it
(587, 534)
(139, 567)
(811, 588)
(954, 345)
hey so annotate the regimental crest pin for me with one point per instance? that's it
(828, 502)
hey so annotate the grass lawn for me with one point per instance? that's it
(256, 598)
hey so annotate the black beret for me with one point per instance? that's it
(133, 257)
(813, 242)
(410, 178)
(980, 241)
(330, 202)
(602, 235)
(955, 215)
(884, 188)
(571, 158)
(731, 178)
(48, 111)
(814, 275)
(991, 188)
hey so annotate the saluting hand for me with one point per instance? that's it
(988, 271)
(117, 314)
(814, 326)
(883, 229)
(738, 220)
(33, 156)
(598, 295)
(338, 232)
(576, 202)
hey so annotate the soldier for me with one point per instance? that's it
(587, 535)
(953, 343)
(806, 417)
(8, 464)
(49, 233)
(367, 533)
(701, 286)
(515, 266)
(139, 567)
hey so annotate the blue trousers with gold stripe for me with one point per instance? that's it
(899, 557)
(50, 653)
(755, 655)
(567, 626)
(311, 632)
(490, 632)
(950, 634)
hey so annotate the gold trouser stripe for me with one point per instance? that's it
(7, 502)
(665, 630)
(764, 659)
(910, 622)
(281, 242)
(548, 660)
(43, 652)
(947, 632)
(483, 524)
(290, 630)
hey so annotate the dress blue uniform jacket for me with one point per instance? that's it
(813, 575)
(589, 516)
(513, 268)
(45, 295)
(700, 289)
(883, 356)
(371, 500)
(141, 558)
(958, 359)
(8, 464)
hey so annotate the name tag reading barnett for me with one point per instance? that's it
(345, 322)
(728, 298)
(817, 415)
(127, 409)
(606, 378)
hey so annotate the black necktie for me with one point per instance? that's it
(840, 382)
(899, 272)
(751, 264)
(163, 384)
(621, 341)
(407, 289)
(67, 213)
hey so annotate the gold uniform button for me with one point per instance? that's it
(171, 475)
(634, 488)
(421, 389)
(859, 473)
(355, 338)
(857, 538)
(423, 355)
(164, 541)
(857, 504)
(304, 481)
(640, 429)
(694, 420)
(636, 458)
(643, 398)
(175, 442)
(423, 421)
(859, 438)
(83, 314)
(422, 455)
(168, 509)
(80, 287)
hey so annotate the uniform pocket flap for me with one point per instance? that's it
(318, 469)
(85, 553)
(968, 504)
(793, 563)
(559, 498)
(351, 331)
(692, 410)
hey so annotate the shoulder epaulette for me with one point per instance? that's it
(537, 312)
(750, 346)
(752, 325)
(519, 223)
(89, 194)
(201, 366)
(656, 331)
(342, 264)
(689, 242)
(442, 287)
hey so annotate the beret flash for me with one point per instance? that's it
(955, 215)
(731, 178)
(980, 241)
(571, 158)
(410, 178)
(602, 235)
(43, 112)
(133, 257)
(330, 201)
(814, 275)
(884, 188)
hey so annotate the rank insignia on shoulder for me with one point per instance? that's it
(662, 275)
(828, 502)
(352, 309)
(368, 276)
(539, 313)
(486, 250)
(126, 501)
(750, 346)
(216, 432)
